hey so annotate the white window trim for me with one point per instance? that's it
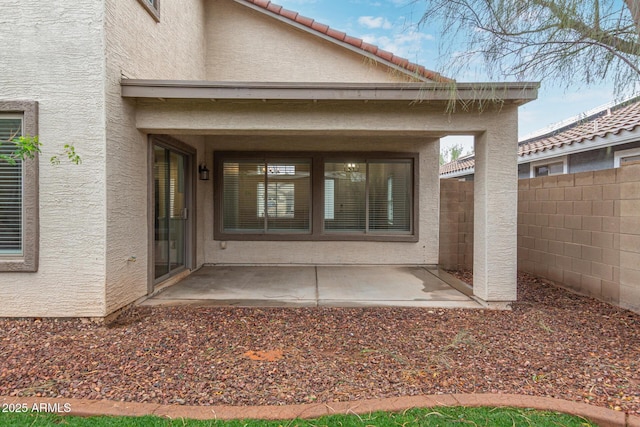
(619, 155)
(534, 165)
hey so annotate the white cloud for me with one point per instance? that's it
(410, 45)
(374, 22)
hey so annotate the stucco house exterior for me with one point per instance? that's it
(219, 132)
(603, 138)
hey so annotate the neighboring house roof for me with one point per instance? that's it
(603, 123)
(315, 27)
(613, 120)
(460, 164)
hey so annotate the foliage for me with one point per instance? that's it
(450, 154)
(569, 41)
(70, 152)
(451, 416)
(27, 147)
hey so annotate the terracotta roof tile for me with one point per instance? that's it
(303, 20)
(387, 56)
(625, 116)
(339, 35)
(319, 27)
(463, 163)
(289, 14)
(275, 8)
(353, 41)
(612, 121)
(368, 47)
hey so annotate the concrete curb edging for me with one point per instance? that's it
(80, 407)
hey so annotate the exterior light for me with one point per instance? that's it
(203, 172)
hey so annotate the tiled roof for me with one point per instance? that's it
(360, 44)
(466, 162)
(612, 121)
(625, 116)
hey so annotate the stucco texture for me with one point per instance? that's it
(247, 45)
(174, 49)
(95, 217)
(53, 54)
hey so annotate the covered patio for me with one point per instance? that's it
(318, 286)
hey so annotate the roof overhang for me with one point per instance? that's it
(483, 93)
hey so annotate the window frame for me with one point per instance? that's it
(316, 232)
(28, 260)
(153, 7)
(621, 154)
(550, 161)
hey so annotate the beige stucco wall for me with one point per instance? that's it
(246, 45)
(495, 210)
(52, 53)
(139, 47)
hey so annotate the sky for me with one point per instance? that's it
(390, 24)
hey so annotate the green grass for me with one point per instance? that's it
(455, 416)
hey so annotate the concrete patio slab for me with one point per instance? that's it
(330, 286)
(252, 286)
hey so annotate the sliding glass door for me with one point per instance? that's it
(171, 210)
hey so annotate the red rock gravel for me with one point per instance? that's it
(553, 344)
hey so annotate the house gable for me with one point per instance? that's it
(254, 40)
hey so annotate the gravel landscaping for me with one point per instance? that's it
(553, 343)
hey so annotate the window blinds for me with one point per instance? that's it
(266, 196)
(10, 189)
(373, 196)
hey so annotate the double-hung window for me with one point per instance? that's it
(18, 190)
(316, 196)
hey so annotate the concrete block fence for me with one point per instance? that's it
(580, 231)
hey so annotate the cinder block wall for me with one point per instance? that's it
(456, 224)
(581, 231)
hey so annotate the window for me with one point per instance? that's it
(370, 196)
(10, 188)
(318, 196)
(18, 191)
(266, 196)
(623, 157)
(153, 7)
(549, 167)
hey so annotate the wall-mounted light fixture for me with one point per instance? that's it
(203, 172)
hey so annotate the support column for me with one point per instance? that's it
(495, 247)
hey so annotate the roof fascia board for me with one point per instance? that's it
(598, 142)
(416, 92)
(332, 40)
(463, 172)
